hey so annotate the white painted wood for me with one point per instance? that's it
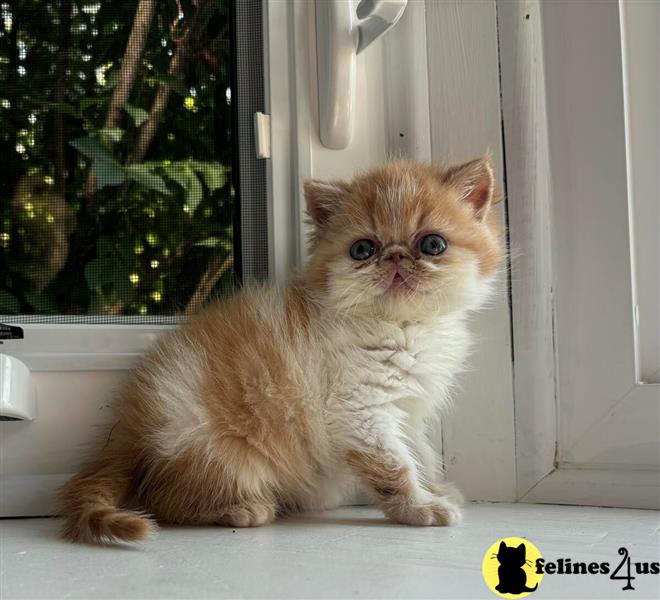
(79, 347)
(529, 196)
(304, 58)
(348, 553)
(405, 81)
(478, 436)
(640, 31)
(595, 327)
(606, 486)
(564, 108)
(594, 313)
(282, 197)
(74, 410)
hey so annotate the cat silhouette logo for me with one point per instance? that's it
(508, 567)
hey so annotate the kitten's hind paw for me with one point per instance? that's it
(438, 512)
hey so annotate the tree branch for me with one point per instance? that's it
(59, 94)
(131, 61)
(214, 271)
(187, 47)
(130, 64)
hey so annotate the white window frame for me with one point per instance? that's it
(543, 472)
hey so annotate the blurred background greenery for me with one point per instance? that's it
(115, 156)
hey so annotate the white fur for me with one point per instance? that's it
(369, 384)
(175, 378)
(389, 380)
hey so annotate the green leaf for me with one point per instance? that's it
(111, 134)
(194, 193)
(103, 271)
(9, 304)
(107, 170)
(139, 115)
(91, 148)
(42, 303)
(184, 175)
(216, 242)
(61, 107)
(142, 175)
(86, 103)
(100, 271)
(173, 83)
(109, 272)
(214, 174)
(177, 172)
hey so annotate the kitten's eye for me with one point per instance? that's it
(433, 244)
(362, 249)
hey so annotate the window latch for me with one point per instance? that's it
(262, 134)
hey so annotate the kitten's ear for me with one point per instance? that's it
(475, 182)
(502, 546)
(521, 548)
(322, 198)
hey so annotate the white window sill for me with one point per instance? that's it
(82, 347)
(347, 553)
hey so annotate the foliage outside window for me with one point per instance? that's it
(116, 147)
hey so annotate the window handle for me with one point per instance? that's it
(342, 33)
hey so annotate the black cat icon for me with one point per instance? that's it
(512, 577)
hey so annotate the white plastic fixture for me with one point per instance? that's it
(17, 398)
(341, 34)
(262, 134)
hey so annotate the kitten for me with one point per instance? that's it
(289, 398)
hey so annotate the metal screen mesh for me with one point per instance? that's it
(129, 189)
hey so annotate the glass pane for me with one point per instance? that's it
(116, 142)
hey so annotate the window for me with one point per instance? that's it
(122, 146)
(77, 366)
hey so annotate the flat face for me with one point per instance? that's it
(115, 183)
(401, 238)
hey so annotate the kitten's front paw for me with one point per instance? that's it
(253, 515)
(438, 512)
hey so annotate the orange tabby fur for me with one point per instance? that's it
(264, 403)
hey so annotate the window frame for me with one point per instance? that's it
(560, 458)
(86, 344)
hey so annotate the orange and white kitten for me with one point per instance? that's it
(289, 398)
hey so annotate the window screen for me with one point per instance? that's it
(129, 189)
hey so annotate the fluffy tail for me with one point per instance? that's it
(90, 501)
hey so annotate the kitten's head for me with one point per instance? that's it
(512, 556)
(405, 241)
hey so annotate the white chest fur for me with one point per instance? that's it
(412, 365)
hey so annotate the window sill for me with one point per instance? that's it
(348, 553)
(48, 347)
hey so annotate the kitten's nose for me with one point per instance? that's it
(396, 256)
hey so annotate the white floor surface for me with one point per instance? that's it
(347, 553)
